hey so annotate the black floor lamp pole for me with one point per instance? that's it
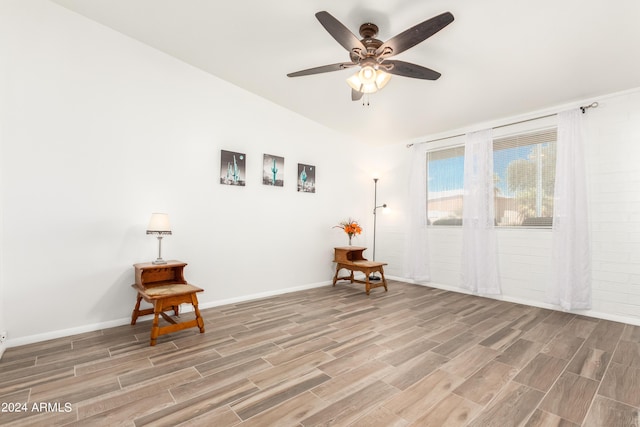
(375, 211)
(375, 207)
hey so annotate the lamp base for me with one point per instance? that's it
(159, 260)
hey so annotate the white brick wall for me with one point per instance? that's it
(613, 165)
(613, 168)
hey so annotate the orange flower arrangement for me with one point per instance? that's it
(351, 227)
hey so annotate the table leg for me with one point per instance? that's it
(194, 301)
(157, 309)
(384, 281)
(368, 284)
(134, 315)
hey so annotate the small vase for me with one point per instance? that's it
(350, 236)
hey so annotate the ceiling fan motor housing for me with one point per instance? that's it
(368, 31)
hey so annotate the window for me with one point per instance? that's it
(445, 172)
(524, 169)
(524, 172)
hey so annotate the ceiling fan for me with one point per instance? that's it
(371, 54)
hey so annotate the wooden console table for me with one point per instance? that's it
(350, 258)
(164, 287)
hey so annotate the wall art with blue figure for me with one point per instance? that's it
(306, 178)
(233, 168)
(273, 170)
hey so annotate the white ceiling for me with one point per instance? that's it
(499, 58)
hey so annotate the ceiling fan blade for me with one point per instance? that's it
(346, 38)
(414, 35)
(322, 69)
(407, 69)
(356, 95)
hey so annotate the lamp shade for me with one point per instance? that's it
(367, 75)
(368, 80)
(159, 224)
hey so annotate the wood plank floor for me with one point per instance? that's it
(413, 356)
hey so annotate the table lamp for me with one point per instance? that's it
(159, 225)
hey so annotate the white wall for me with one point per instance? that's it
(615, 204)
(613, 149)
(100, 131)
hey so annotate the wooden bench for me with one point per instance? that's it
(164, 287)
(350, 258)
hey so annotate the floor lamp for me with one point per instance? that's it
(375, 209)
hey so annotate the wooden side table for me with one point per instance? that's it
(164, 287)
(351, 258)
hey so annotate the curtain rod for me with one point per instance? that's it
(583, 108)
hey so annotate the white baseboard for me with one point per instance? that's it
(30, 339)
(15, 342)
(263, 295)
(539, 304)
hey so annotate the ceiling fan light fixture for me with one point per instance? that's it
(382, 78)
(367, 74)
(374, 80)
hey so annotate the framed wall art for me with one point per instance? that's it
(273, 170)
(233, 168)
(306, 178)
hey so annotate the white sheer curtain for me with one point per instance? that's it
(417, 250)
(479, 246)
(570, 287)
